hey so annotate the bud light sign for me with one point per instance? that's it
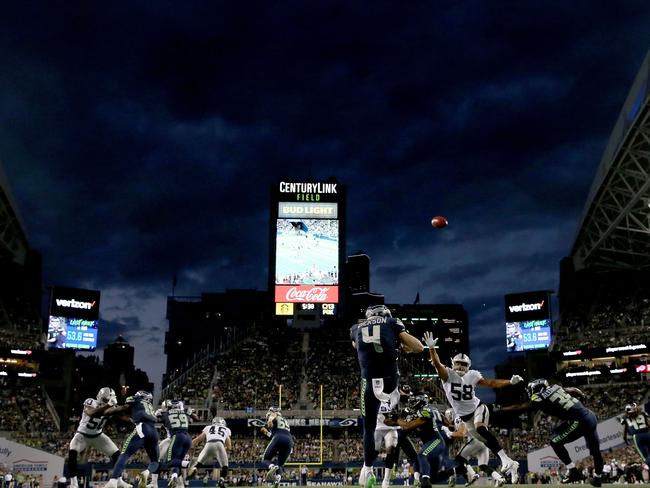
(307, 294)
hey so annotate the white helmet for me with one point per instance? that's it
(450, 415)
(106, 395)
(461, 363)
(378, 311)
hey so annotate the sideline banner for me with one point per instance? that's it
(610, 433)
(29, 461)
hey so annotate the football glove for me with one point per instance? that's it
(429, 340)
(516, 379)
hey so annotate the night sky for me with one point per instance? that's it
(140, 140)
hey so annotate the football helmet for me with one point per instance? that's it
(417, 402)
(176, 404)
(106, 395)
(450, 415)
(220, 421)
(378, 311)
(536, 386)
(630, 408)
(143, 396)
(461, 363)
(273, 410)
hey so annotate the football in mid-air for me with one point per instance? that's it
(438, 222)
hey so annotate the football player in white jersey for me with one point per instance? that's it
(386, 435)
(217, 443)
(96, 412)
(459, 383)
(473, 448)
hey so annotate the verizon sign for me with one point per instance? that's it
(532, 305)
(307, 294)
(76, 303)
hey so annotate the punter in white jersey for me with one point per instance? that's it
(217, 443)
(459, 383)
(96, 412)
(473, 447)
(386, 435)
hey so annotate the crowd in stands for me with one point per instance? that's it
(331, 362)
(23, 408)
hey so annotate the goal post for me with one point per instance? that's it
(320, 426)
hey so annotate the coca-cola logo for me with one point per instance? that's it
(315, 294)
(306, 294)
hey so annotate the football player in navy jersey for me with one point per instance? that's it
(636, 423)
(579, 421)
(176, 418)
(280, 445)
(377, 340)
(144, 436)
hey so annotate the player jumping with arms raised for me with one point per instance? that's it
(459, 383)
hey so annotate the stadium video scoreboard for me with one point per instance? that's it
(73, 319)
(528, 320)
(307, 247)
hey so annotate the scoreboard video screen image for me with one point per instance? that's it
(528, 321)
(73, 320)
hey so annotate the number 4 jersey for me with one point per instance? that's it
(91, 426)
(460, 391)
(214, 433)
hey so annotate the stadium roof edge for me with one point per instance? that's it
(631, 108)
(635, 106)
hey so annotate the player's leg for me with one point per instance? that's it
(180, 445)
(641, 444)
(152, 448)
(406, 445)
(102, 443)
(429, 461)
(479, 426)
(589, 426)
(285, 446)
(390, 441)
(208, 452)
(222, 458)
(369, 411)
(567, 433)
(132, 444)
(77, 445)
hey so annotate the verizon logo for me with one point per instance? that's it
(526, 307)
(60, 302)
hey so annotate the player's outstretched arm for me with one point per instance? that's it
(198, 439)
(494, 383)
(517, 407)
(410, 343)
(431, 342)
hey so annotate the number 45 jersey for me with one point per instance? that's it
(216, 433)
(460, 391)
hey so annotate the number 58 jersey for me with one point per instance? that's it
(460, 391)
(214, 433)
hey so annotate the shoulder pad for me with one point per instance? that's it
(535, 398)
(89, 402)
(130, 399)
(425, 413)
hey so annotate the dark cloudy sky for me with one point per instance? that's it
(140, 140)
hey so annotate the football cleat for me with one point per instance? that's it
(572, 476)
(499, 482)
(595, 481)
(370, 482)
(451, 482)
(272, 469)
(472, 479)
